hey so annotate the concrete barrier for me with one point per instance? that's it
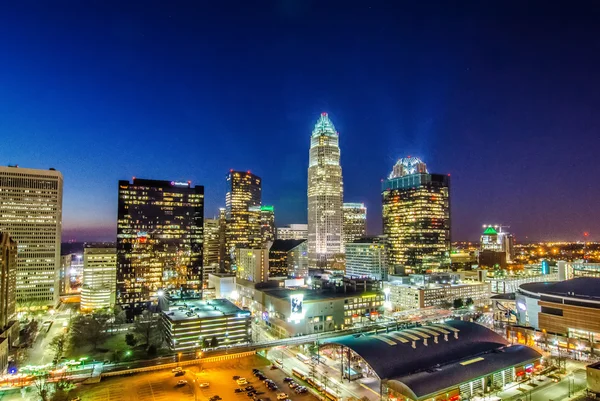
(173, 365)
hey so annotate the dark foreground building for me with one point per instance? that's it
(448, 361)
(159, 240)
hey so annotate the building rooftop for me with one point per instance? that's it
(587, 288)
(316, 295)
(191, 309)
(424, 360)
(285, 245)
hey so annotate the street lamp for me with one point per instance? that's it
(178, 358)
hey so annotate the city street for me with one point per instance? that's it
(40, 353)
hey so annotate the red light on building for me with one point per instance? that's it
(324, 114)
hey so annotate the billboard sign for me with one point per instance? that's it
(297, 306)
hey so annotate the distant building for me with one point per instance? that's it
(281, 256)
(193, 325)
(252, 264)
(31, 213)
(71, 273)
(242, 213)
(366, 257)
(497, 247)
(211, 248)
(222, 238)
(298, 260)
(99, 276)
(267, 224)
(416, 217)
(292, 231)
(159, 240)
(223, 284)
(355, 221)
(325, 195)
(9, 327)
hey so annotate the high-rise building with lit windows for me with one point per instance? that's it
(355, 221)
(159, 239)
(325, 195)
(8, 280)
(242, 213)
(99, 276)
(416, 217)
(267, 224)
(31, 213)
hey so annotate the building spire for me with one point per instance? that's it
(324, 126)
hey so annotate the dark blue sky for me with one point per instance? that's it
(504, 97)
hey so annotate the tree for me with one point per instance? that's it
(205, 343)
(119, 315)
(214, 342)
(146, 328)
(42, 387)
(469, 301)
(152, 351)
(458, 303)
(130, 340)
(89, 329)
(58, 344)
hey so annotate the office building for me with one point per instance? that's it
(355, 221)
(222, 283)
(31, 213)
(281, 257)
(298, 260)
(71, 273)
(222, 237)
(440, 295)
(212, 246)
(9, 327)
(242, 213)
(99, 276)
(292, 231)
(366, 257)
(496, 247)
(267, 224)
(252, 264)
(325, 195)
(159, 239)
(193, 325)
(416, 217)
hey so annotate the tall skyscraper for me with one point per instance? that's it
(267, 224)
(366, 257)
(8, 280)
(325, 195)
(242, 213)
(31, 213)
(222, 237)
(416, 217)
(497, 247)
(252, 264)
(99, 276)
(355, 221)
(159, 239)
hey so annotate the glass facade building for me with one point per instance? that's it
(325, 195)
(31, 213)
(242, 213)
(366, 258)
(159, 239)
(416, 217)
(355, 221)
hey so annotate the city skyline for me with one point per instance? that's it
(495, 104)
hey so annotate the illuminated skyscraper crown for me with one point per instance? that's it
(324, 126)
(407, 166)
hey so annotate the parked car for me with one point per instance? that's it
(180, 373)
(203, 385)
(241, 381)
(182, 382)
(177, 369)
(238, 390)
(282, 396)
(288, 379)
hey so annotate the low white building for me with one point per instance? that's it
(99, 276)
(409, 296)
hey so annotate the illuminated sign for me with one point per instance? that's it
(142, 234)
(297, 307)
(522, 306)
(180, 183)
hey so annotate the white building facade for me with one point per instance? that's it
(99, 277)
(325, 195)
(31, 212)
(292, 231)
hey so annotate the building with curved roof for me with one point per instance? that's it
(561, 315)
(438, 361)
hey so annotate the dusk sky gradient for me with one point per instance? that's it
(503, 97)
